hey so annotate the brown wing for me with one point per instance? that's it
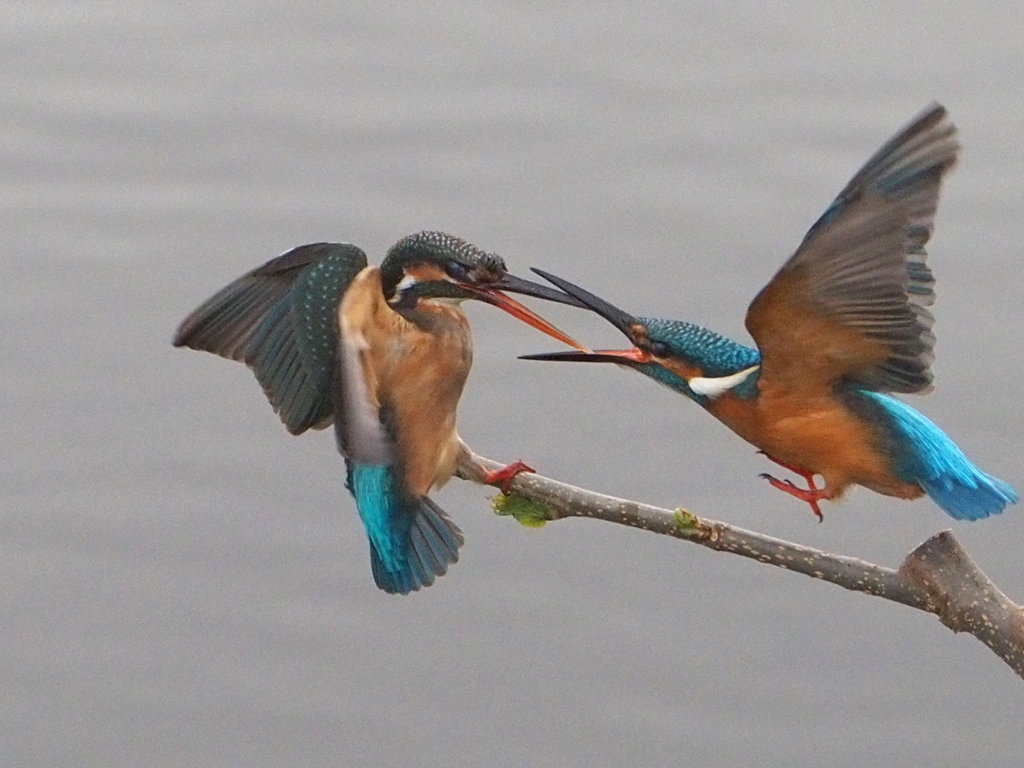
(850, 303)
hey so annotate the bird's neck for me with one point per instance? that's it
(704, 365)
(435, 315)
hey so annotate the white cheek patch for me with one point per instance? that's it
(715, 387)
(407, 281)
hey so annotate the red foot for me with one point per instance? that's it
(805, 473)
(811, 495)
(502, 477)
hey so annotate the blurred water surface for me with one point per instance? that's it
(185, 584)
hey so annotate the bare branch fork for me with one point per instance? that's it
(938, 576)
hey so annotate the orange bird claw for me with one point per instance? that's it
(811, 495)
(502, 477)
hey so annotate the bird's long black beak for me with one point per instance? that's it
(624, 321)
(621, 320)
(620, 356)
(513, 284)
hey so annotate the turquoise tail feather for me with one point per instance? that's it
(926, 456)
(412, 540)
(973, 496)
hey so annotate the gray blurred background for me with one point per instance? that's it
(183, 583)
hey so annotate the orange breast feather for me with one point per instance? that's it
(817, 432)
(417, 373)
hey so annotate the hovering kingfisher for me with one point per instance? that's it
(383, 353)
(841, 326)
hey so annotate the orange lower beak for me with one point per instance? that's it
(528, 316)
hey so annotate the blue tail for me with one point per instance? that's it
(926, 456)
(412, 540)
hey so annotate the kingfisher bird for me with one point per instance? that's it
(383, 353)
(839, 329)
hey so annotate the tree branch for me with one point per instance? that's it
(938, 576)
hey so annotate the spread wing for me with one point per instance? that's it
(850, 304)
(280, 319)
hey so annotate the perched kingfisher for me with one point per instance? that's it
(383, 353)
(838, 329)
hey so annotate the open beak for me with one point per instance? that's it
(492, 294)
(621, 320)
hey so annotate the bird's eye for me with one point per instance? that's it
(659, 349)
(456, 270)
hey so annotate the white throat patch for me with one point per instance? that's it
(715, 387)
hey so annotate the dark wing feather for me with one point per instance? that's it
(851, 302)
(280, 319)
